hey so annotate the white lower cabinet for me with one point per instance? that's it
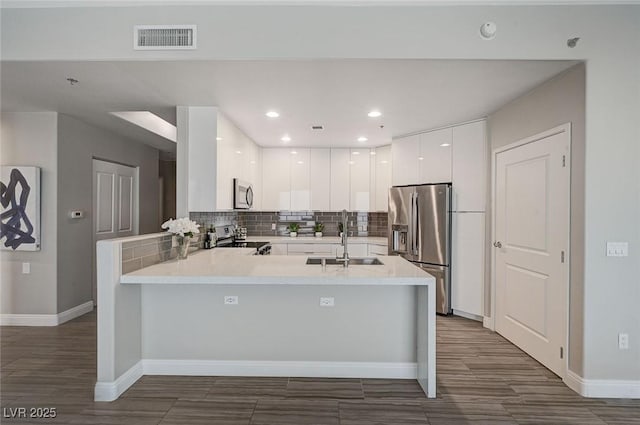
(355, 250)
(310, 249)
(278, 249)
(377, 250)
(467, 263)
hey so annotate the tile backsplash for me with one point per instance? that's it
(147, 252)
(261, 223)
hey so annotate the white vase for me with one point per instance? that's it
(318, 234)
(293, 234)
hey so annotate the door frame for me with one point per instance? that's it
(491, 322)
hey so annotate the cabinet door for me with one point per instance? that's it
(404, 154)
(278, 249)
(276, 191)
(467, 263)
(320, 181)
(300, 189)
(340, 184)
(355, 250)
(382, 161)
(434, 162)
(360, 180)
(469, 169)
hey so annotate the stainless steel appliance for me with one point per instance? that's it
(420, 231)
(242, 194)
(226, 239)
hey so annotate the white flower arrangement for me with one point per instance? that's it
(181, 227)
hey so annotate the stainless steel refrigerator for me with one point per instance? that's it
(420, 231)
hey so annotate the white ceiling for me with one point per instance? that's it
(413, 95)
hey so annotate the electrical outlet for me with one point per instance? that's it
(231, 299)
(327, 302)
(623, 341)
(617, 249)
(273, 226)
(26, 268)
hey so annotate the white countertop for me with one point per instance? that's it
(375, 240)
(224, 267)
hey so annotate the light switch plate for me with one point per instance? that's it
(617, 249)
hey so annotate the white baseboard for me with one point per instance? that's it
(469, 316)
(487, 322)
(281, 368)
(74, 312)
(109, 391)
(602, 388)
(45, 319)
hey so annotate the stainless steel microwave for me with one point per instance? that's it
(242, 194)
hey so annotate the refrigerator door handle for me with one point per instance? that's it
(412, 221)
(415, 224)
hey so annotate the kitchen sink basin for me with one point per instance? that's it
(370, 261)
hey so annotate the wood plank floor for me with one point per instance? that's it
(482, 379)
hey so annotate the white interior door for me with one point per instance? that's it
(531, 245)
(115, 204)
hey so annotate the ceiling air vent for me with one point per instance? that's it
(164, 37)
(317, 127)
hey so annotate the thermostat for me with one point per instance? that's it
(76, 214)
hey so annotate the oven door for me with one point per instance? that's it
(242, 194)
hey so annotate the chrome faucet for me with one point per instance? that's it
(345, 255)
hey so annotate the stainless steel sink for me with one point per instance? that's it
(370, 261)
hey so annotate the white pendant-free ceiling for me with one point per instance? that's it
(412, 95)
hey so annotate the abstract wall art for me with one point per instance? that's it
(20, 201)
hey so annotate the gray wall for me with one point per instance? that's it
(30, 139)
(556, 102)
(78, 144)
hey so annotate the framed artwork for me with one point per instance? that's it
(20, 201)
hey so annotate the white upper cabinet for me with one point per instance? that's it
(469, 169)
(360, 180)
(300, 185)
(434, 162)
(276, 184)
(340, 184)
(404, 153)
(381, 164)
(320, 179)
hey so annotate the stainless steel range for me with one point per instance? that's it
(226, 239)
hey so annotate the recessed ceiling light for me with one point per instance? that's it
(285, 138)
(352, 162)
(372, 153)
(445, 144)
(252, 162)
(300, 162)
(420, 158)
(384, 162)
(239, 152)
(218, 138)
(294, 153)
(374, 114)
(355, 153)
(272, 114)
(362, 139)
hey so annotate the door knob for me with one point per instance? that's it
(497, 244)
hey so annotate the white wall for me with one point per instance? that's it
(31, 139)
(610, 42)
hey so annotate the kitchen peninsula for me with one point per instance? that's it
(225, 312)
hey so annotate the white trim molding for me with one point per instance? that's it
(602, 388)
(281, 368)
(46, 319)
(469, 316)
(109, 391)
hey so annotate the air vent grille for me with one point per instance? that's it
(164, 37)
